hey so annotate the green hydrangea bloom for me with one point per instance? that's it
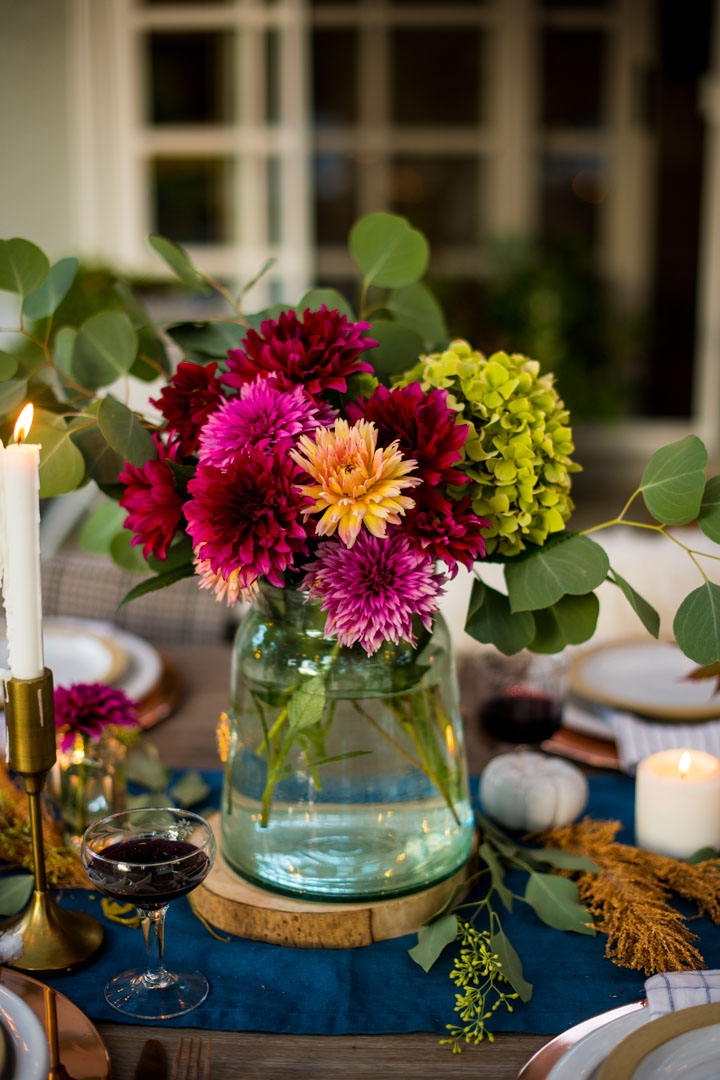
(518, 448)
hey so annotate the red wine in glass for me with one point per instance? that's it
(521, 714)
(148, 871)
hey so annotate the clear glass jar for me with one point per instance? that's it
(88, 782)
(345, 775)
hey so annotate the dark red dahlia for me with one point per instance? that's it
(192, 394)
(153, 504)
(89, 708)
(319, 351)
(246, 519)
(443, 529)
(422, 423)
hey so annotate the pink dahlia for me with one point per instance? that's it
(445, 530)
(319, 351)
(423, 425)
(372, 590)
(88, 709)
(245, 520)
(192, 394)
(153, 504)
(261, 415)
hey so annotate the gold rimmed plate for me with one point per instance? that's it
(81, 1050)
(577, 1053)
(649, 678)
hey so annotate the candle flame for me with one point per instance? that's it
(684, 764)
(23, 424)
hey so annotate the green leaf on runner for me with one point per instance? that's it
(432, 939)
(15, 891)
(555, 900)
(645, 612)
(497, 873)
(147, 771)
(388, 251)
(511, 965)
(574, 565)
(674, 480)
(697, 624)
(562, 860)
(190, 790)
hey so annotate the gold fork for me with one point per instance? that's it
(192, 1060)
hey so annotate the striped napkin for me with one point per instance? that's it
(675, 990)
(637, 739)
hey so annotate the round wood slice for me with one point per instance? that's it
(231, 903)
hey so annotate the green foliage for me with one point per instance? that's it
(697, 624)
(61, 464)
(555, 900)
(388, 251)
(491, 620)
(645, 612)
(673, 482)
(574, 564)
(709, 516)
(101, 527)
(15, 891)
(180, 264)
(104, 350)
(432, 939)
(23, 266)
(398, 347)
(43, 301)
(124, 433)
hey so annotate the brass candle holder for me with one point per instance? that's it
(54, 939)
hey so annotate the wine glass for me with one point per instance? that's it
(150, 857)
(525, 703)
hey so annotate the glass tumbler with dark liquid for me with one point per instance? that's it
(149, 857)
(526, 704)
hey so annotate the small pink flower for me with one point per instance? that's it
(152, 501)
(192, 394)
(89, 709)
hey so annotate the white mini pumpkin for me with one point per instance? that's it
(529, 791)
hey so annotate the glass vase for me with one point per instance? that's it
(344, 775)
(87, 782)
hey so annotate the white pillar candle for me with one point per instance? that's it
(677, 802)
(19, 476)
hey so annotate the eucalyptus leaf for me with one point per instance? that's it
(572, 620)
(493, 623)
(398, 348)
(709, 516)
(15, 891)
(574, 564)
(432, 939)
(12, 395)
(44, 301)
(511, 965)
(101, 527)
(645, 612)
(212, 340)
(562, 860)
(697, 624)
(64, 349)
(267, 265)
(190, 790)
(62, 467)
(674, 480)
(146, 771)
(160, 581)
(126, 554)
(306, 704)
(8, 365)
(23, 266)
(124, 432)
(415, 306)
(105, 349)
(333, 301)
(497, 873)
(102, 463)
(555, 900)
(338, 757)
(180, 263)
(179, 554)
(388, 251)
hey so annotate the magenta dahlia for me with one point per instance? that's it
(443, 529)
(192, 394)
(372, 590)
(424, 426)
(153, 504)
(89, 709)
(319, 351)
(262, 415)
(245, 521)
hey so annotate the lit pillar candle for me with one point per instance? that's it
(19, 475)
(677, 802)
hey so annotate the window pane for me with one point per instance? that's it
(272, 77)
(335, 197)
(334, 76)
(274, 207)
(192, 200)
(435, 76)
(573, 73)
(439, 195)
(190, 78)
(572, 188)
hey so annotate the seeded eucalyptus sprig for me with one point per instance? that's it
(487, 964)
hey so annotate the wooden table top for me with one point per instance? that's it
(187, 738)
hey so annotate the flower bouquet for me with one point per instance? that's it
(335, 467)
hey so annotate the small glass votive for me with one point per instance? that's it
(87, 782)
(525, 700)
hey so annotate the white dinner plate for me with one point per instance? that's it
(692, 1056)
(28, 1050)
(583, 1060)
(646, 677)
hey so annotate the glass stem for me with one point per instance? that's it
(153, 928)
